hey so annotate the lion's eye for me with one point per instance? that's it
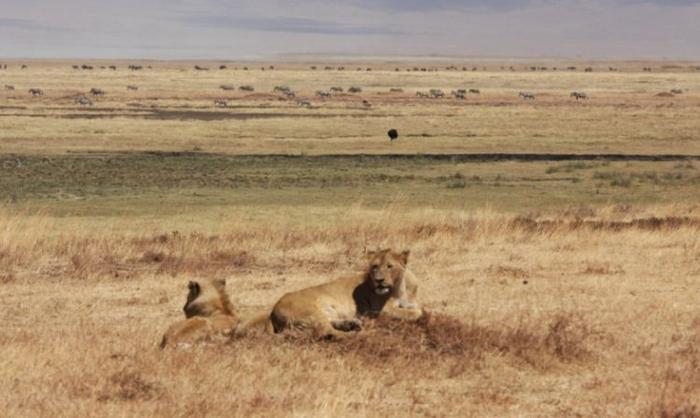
(389, 266)
(375, 266)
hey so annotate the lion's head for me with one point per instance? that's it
(386, 269)
(207, 297)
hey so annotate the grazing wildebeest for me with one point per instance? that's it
(9, 87)
(571, 68)
(676, 91)
(393, 134)
(459, 94)
(526, 96)
(133, 67)
(245, 68)
(198, 68)
(246, 88)
(436, 93)
(220, 103)
(323, 94)
(83, 101)
(97, 92)
(422, 94)
(588, 70)
(222, 67)
(24, 67)
(355, 89)
(290, 94)
(313, 67)
(395, 90)
(76, 67)
(337, 89)
(474, 91)
(647, 69)
(132, 87)
(36, 92)
(281, 89)
(86, 67)
(579, 95)
(113, 67)
(366, 103)
(227, 87)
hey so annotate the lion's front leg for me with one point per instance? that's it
(399, 309)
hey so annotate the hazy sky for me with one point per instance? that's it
(262, 28)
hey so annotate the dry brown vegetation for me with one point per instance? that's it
(531, 315)
(555, 288)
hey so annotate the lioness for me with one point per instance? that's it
(209, 313)
(332, 309)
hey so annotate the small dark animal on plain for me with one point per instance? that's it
(393, 134)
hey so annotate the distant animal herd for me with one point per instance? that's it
(288, 93)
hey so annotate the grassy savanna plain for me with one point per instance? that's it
(558, 285)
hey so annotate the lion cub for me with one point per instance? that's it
(332, 309)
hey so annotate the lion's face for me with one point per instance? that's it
(207, 297)
(386, 269)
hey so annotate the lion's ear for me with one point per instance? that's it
(404, 257)
(194, 288)
(370, 254)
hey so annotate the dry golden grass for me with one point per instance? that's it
(575, 312)
(555, 288)
(174, 110)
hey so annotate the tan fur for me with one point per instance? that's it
(209, 315)
(331, 310)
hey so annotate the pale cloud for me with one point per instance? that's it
(260, 28)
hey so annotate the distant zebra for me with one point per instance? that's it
(290, 94)
(395, 90)
(220, 103)
(84, 101)
(526, 96)
(337, 89)
(437, 93)
(281, 89)
(322, 94)
(36, 92)
(355, 89)
(676, 91)
(246, 88)
(227, 87)
(422, 95)
(304, 103)
(9, 87)
(97, 92)
(474, 91)
(579, 95)
(132, 87)
(459, 94)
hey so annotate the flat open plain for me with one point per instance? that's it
(555, 241)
